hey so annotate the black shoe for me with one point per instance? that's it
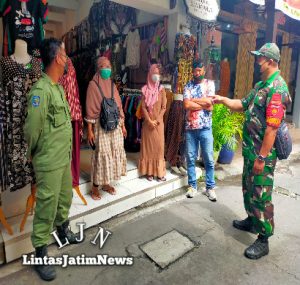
(46, 272)
(258, 249)
(244, 225)
(65, 232)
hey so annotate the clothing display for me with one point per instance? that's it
(3, 157)
(131, 101)
(69, 83)
(132, 44)
(152, 160)
(175, 144)
(17, 81)
(212, 59)
(23, 19)
(184, 53)
(169, 96)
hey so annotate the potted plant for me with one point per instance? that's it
(227, 131)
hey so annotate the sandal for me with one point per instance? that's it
(149, 178)
(95, 194)
(161, 179)
(109, 189)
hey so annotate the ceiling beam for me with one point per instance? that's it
(70, 4)
(158, 7)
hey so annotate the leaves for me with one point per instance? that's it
(227, 127)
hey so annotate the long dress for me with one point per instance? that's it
(109, 158)
(3, 158)
(17, 82)
(152, 160)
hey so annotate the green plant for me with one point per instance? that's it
(227, 127)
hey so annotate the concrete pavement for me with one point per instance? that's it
(217, 256)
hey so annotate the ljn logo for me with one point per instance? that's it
(102, 235)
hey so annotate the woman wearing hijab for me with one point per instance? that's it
(108, 158)
(154, 101)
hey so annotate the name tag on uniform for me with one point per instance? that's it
(35, 101)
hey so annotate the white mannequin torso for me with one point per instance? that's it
(20, 54)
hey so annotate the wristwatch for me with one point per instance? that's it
(261, 158)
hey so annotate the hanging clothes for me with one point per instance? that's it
(169, 95)
(132, 44)
(175, 141)
(3, 157)
(131, 100)
(17, 81)
(70, 85)
(23, 19)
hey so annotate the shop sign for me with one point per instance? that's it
(289, 7)
(258, 2)
(204, 10)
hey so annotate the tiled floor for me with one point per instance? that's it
(85, 164)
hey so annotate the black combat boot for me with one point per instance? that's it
(46, 272)
(245, 225)
(65, 232)
(258, 249)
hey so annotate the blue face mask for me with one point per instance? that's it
(105, 73)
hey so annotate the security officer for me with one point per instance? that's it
(264, 109)
(48, 132)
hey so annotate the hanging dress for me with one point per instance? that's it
(17, 81)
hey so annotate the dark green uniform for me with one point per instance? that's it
(48, 132)
(257, 189)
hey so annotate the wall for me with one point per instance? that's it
(296, 113)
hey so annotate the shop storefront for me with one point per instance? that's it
(134, 34)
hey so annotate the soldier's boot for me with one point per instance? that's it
(64, 232)
(245, 225)
(46, 272)
(258, 249)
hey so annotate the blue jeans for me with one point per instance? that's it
(205, 138)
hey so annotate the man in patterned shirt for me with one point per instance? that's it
(264, 109)
(198, 128)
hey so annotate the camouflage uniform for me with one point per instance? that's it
(257, 189)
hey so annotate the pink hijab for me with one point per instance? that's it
(151, 89)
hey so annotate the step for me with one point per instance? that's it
(130, 194)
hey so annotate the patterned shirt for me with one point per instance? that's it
(262, 108)
(203, 118)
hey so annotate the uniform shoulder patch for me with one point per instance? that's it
(35, 101)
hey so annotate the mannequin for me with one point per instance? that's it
(25, 70)
(20, 54)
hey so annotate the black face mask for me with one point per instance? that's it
(259, 66)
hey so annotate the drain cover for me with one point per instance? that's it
(167, 248)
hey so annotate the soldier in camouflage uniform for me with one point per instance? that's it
(264, 109)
